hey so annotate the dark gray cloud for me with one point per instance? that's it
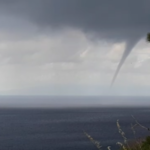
(116, 19)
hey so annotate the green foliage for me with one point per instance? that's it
(148, 37)
(146, 144)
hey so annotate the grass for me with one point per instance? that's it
(137, 144)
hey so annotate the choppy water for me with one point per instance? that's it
(62, 129)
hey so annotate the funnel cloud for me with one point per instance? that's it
(129, 46)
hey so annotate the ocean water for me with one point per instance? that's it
(62, 129)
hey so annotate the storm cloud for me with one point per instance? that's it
(115, 20)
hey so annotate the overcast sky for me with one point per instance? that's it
(73, 47)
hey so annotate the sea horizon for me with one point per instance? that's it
(49, 101)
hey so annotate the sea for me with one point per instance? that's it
(64, 128)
